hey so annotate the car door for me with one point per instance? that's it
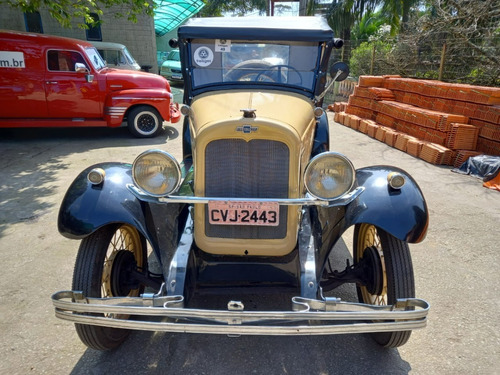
(69, 94)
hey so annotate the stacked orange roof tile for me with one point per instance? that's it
(442, 123)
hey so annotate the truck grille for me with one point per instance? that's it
(238, 169)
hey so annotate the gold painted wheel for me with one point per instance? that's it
(104, 268)
(389, 274)
(126, 238)
(369, 244)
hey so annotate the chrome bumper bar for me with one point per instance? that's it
(308, 201)
(308, 317)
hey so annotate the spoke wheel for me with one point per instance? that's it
(388, 274)
(103, 269)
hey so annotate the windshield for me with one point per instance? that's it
(225, 61)
(95, 58)
(174, 55)
(130, 59)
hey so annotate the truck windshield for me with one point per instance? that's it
(95, 58)
(224, 61)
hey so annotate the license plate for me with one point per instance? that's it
(176, 76)
(243, 213)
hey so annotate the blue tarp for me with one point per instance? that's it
(485, 167)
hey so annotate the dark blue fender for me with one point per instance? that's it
(321, 136)
(86, 208)
(403, 213)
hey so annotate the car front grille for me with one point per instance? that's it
(236, 168)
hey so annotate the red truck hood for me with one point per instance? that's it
(121, 80)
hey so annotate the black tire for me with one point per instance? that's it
(391, 275)
(144, 122)
(99, 273)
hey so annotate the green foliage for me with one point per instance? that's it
(66, 11)
(216, 8)
(428, 74)
(361, 58)
(368, 26)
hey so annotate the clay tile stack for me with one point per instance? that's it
(440, 122)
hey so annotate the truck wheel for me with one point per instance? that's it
(144, 122)
(102, 269)
(389, 274)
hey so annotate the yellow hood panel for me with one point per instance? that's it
(291, 109)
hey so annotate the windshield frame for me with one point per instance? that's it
(95, 58)
(313, 71)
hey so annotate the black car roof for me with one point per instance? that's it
(314, 29)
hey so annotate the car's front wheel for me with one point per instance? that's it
(144, 122)
(388, 271)
(104, 267)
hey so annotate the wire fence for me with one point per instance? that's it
(473, 61)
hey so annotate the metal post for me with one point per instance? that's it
(441, 65)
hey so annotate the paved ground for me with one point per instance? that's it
(456, 270)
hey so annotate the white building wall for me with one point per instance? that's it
(138, 37)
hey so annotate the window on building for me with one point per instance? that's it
(94, 30)
(33, 22)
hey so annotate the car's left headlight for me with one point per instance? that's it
(156, 172)
(329, 175)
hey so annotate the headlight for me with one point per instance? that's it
(329, 175)
(156, 172)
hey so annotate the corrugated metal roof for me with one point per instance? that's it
(170, 14)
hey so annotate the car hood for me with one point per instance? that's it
(130, 79)
(287, 109)
(172, 64)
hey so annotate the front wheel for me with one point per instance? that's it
(144, 122)
(104, 267)
(388, 274)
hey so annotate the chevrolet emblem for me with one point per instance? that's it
(247, 129)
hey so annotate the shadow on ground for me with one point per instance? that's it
(168, 353)
(32, 158)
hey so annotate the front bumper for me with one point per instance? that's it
(308, 317)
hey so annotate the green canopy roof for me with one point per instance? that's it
(171, 13)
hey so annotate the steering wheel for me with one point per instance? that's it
(246, 70)
(280, 74)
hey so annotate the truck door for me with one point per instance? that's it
(68, 93)
(22, 90)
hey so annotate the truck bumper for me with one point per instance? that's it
(308, 316)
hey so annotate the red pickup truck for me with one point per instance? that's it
(48, 81)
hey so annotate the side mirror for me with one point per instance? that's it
(339, 71)
(173, 43)
(338, 43)
(81, 68)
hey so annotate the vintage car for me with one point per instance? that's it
(50, 81)
(256, 207)
(171, 67)
(116, 56)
